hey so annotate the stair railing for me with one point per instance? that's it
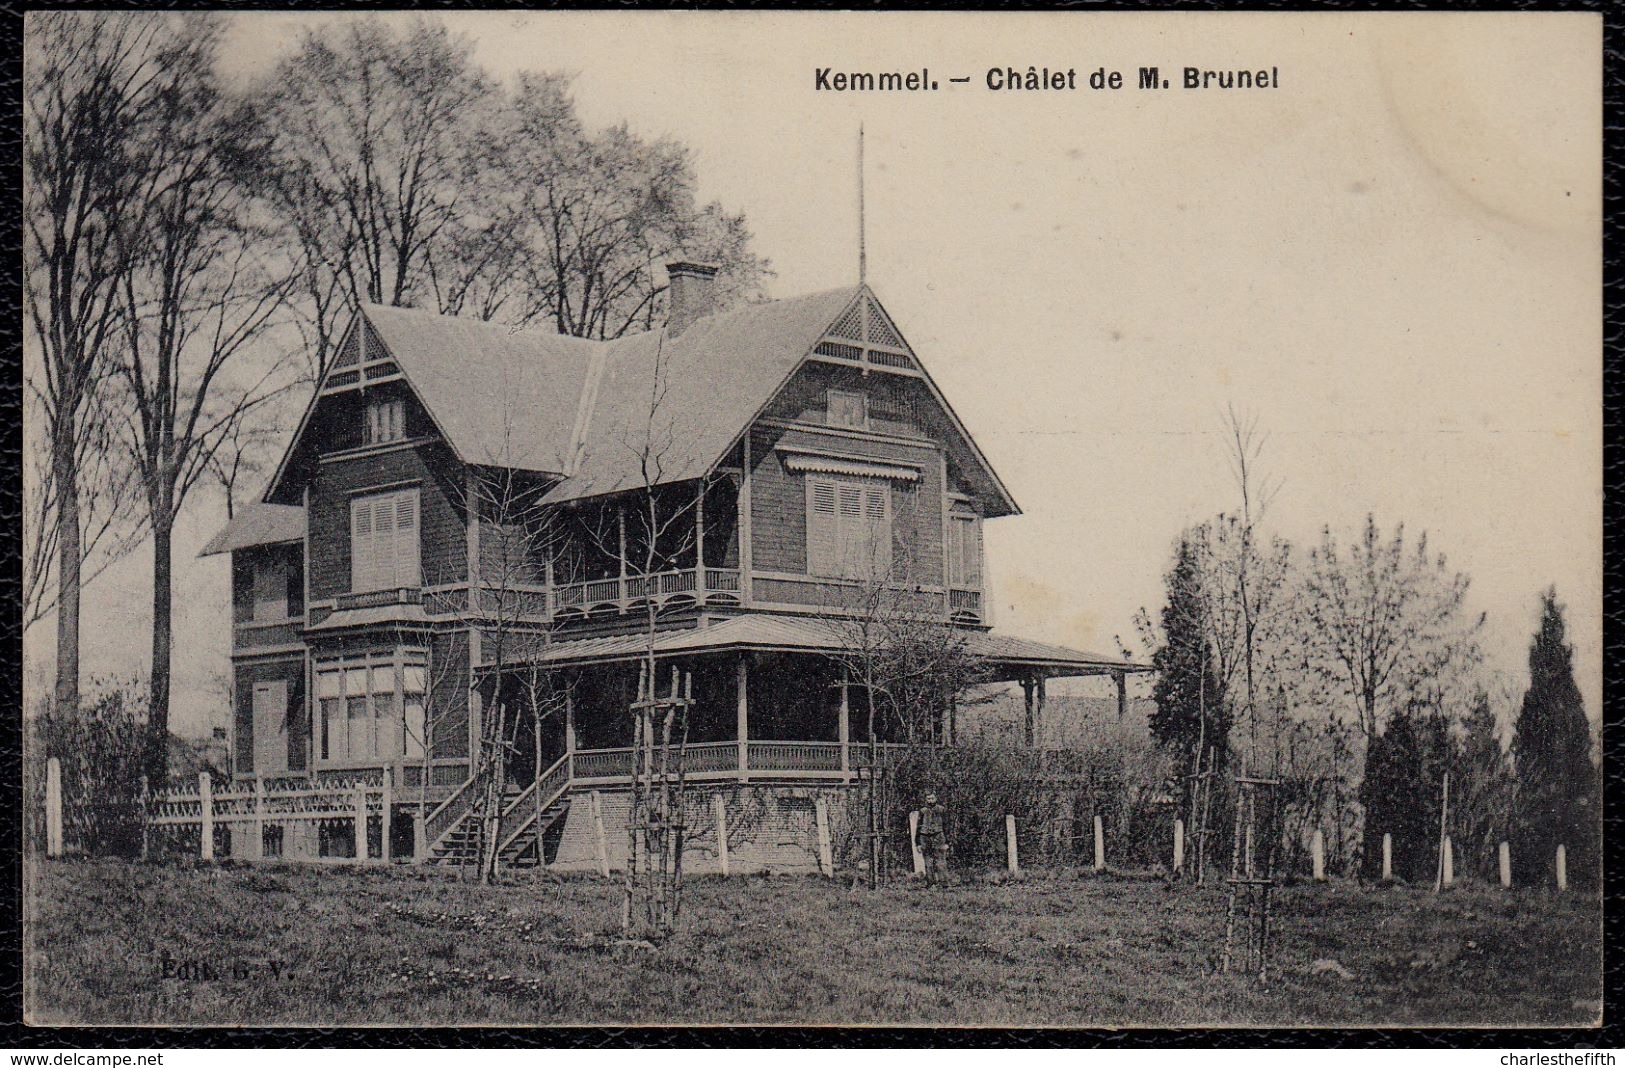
(445, 815)
(552, 784)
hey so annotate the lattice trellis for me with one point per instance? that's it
(872, 334)
(350, 353)
(880, 330)
(850, 324)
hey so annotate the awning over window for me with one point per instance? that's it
(824, 464)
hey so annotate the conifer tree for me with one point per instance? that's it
(1191, 715)
(1400, 799)
(1557, 787)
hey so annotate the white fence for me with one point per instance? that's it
(278, 819)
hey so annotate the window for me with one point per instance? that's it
(848, 408)
(965, 552)
(384, 541)
(371, 707)
(270, 589)
(413, 685)
(848, 528)
(386, 421)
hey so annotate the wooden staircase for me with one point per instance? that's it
(521, 827)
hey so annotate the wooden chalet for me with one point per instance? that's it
(466, 507)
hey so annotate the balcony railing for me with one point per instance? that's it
(763, 760)
(665, 588)
(378, 598)
(965, 600)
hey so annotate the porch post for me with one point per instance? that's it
(1041, 685)
(476, 703)
(385, 827)
(620, 526)
(742, 523)
(742, 675)
(569, 733)
(844, 727)
(1122, 695)
(699, 542)
(1030, 732)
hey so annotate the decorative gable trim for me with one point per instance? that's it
(865, 335)
(368, 363)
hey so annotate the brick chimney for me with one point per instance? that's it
(690, 294)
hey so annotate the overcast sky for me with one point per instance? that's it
(1393, 260)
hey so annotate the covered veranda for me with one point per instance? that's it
(771, 700)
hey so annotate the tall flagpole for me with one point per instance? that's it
(863, 253)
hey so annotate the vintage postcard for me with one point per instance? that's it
(812, 518)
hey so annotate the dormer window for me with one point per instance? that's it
(847, 408)
(386, 421)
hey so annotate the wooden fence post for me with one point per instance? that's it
(600, 841)
(719, 806)
(1562, 868)
(1449, 876)
(826, 862)
(1011, 859)
(1506, 865)
(1100, 845)
(53, 807)
(914, 842)
(360, 823)
(1179, 847)
(205, 796)
(1387, 857)
(384, 819)
(1317, 855)
(256, 844)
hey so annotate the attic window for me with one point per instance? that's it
(847, 408)
(386, 421)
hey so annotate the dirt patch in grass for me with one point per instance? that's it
(114, 943)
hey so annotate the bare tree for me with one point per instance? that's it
(661, 530)
(597, 216)
(367, 162)
(1389, 623)
(191, 305)
(895, 645)
(520, 542)
(1252, 573)
(91, 80)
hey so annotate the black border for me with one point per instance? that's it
(19, 1037)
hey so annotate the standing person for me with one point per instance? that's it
(933, 836)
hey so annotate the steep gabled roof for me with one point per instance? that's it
(580, 410)
(502, 397)
(714, 378)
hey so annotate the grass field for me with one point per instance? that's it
(118, 943)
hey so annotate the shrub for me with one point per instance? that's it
(100, 746)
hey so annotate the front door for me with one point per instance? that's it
(271, 728)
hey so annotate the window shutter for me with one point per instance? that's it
(406, 539)
(973, 569)
(876, 538)
(383, 543)
(851, 532)
(362, 555)
(823, 530)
